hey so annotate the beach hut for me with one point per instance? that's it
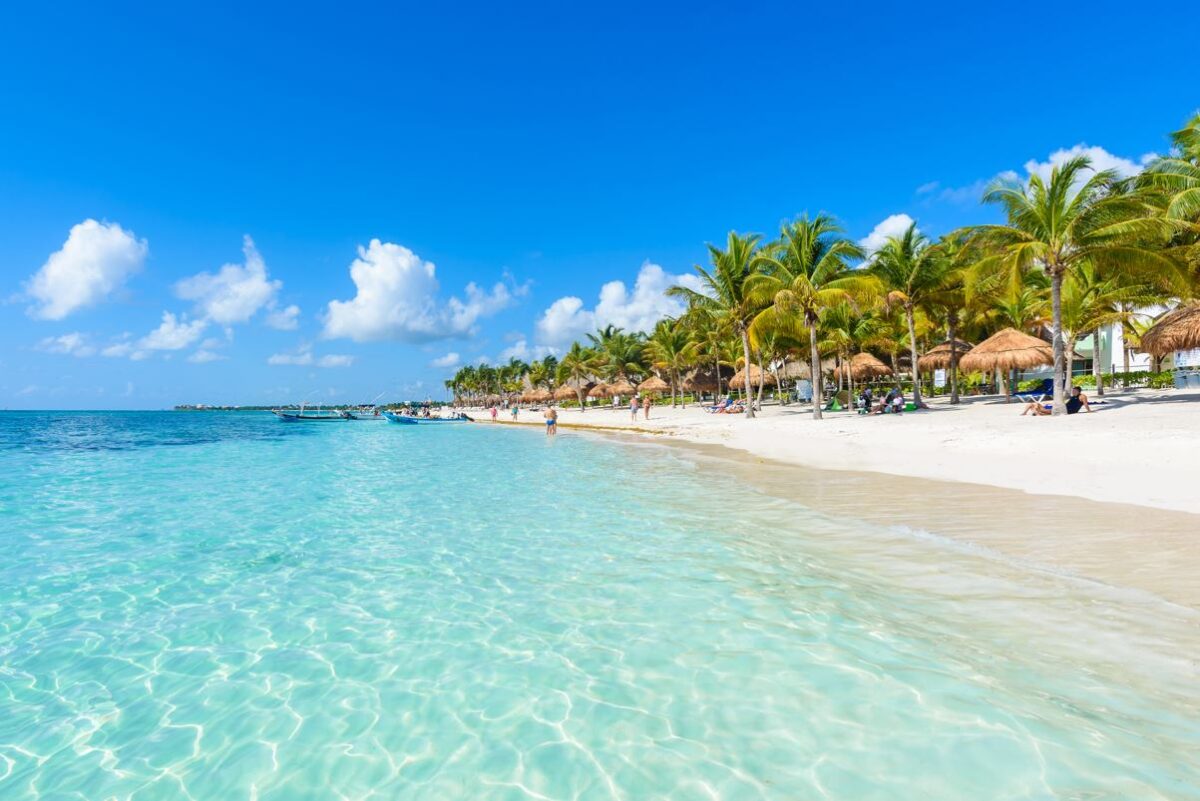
(862, 367)
(757, 377)
(938, 357)
(1175, 330)
(654, 386)
(622, 387)
(1008, 350)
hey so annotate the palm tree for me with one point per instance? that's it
(727, 296)
(1059, 224)
(912, 273)
(576, 367)
(804, 272)
(671, 350)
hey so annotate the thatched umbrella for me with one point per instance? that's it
(601, 390)
(938, 357)
(1175, 330)
(798, 369)
(622, 387)
(1007, 350)
(655, 385)
(757, 377)
(862, 366)
(704, 379)
(541, 395)
(567, 392)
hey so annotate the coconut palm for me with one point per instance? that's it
(726, 296)
(576, 368)
(911, 272)
(1068, 220)
(804, 272)
(671, 350)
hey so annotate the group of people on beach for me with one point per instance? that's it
(891, 403)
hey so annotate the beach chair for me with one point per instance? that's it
(1038, 393)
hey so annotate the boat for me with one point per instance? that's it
(410, 420)
(311, 417)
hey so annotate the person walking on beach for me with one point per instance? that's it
(551, 415)
(633, 408)
(646, 407)
(494, 412)
(514, 411)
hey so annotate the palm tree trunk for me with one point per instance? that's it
(1069, 378)
(912, 348)
(579, 394)
(762, 382)
(814, 367)
(1096, 371)
(952, 331)
(746, 359)
(1056, 282)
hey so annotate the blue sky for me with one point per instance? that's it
(427, 185)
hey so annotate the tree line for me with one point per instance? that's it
(1078, 251)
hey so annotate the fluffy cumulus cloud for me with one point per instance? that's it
(173, 333)
(304, 358)
(397, 299)
(636, 309)
(236, 292)
(94, 262)
(449, 360)
(73, 344)
(285, 319)
(892, 225)
(204, 356)
(1101, 159)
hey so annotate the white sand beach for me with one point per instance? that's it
(1138, 447)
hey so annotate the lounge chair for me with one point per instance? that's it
(1038, 393)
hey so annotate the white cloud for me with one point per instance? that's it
(1101, 160)
(172, 334)
(73, 344)
(449, 360)
(204, 356)
(567, 319)
(95, 260)
(235, 292)
(397, 299)
(892, 225)
(304, 358)
(284, 319)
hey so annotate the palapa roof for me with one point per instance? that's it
(704, 379)
(798, 368)
(756, 377)
(1175, 330)
(621, 387)
(541, 395)
(938, 357)
(567, 392)
(600, 390)
(1009, 349)
(862, 366)
(654, 384)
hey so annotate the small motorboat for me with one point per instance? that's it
(410, 420)
(311, 417)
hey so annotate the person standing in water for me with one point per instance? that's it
(646, 407)
(551, 415)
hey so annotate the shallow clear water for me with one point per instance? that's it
(220, 606)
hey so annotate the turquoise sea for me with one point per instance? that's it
(222, 606)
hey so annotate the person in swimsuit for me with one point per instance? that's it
(633, 408)
(646, 407)
(551, 415)
(1076, 402)
(514, 412)
(493, 412)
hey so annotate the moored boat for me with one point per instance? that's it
(311, 417)
(410, 420)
